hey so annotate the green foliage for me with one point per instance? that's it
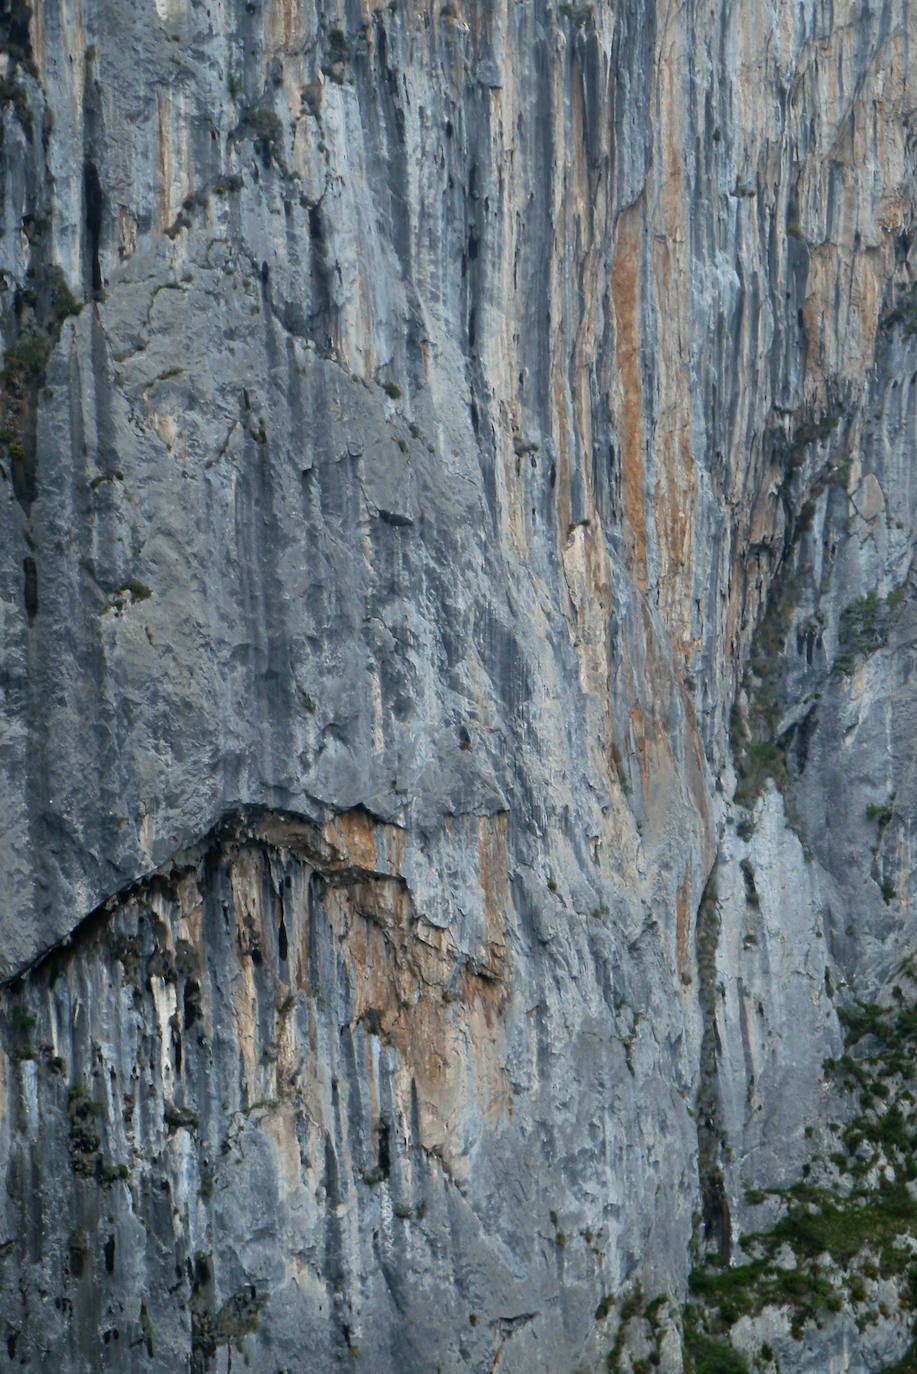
(907, 1365)
(109, 1172)
(79, 1101)
(763, 759)
(708, 1354)
(652, 1309)
(338, 54)
(27, 358)
(812, 431)
(265, 130)
(867, 1227)
(866, 1018)
(11, 93)
(137, 591)
(904, 313)
(40, 314)
(177, 1118)
(845, 1229)
(63, 301)
(864, 627)
(338, 46)
(630, 1306)
(114, 476)
(759, 753)
(745, 1289)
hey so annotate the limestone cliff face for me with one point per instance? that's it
(458, 521)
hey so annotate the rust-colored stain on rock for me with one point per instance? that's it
(353, 835)
(625, 292)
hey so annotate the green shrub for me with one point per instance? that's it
(710, 1355)
(137, 591)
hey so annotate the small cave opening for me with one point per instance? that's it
(77, 1252)
(316, 230)
(201, 1277)
(385, 1152)
(191, 1003)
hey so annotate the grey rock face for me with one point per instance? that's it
(282, 1093)
(420, 425)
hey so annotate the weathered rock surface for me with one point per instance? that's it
(456, 706)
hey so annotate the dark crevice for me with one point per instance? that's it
(802, 738)
(321, 273)
(717, 1225)
(14, 28)
(176, 1044)
(30, 587)
(92, 195)
(385, 1157)
(748, 877)
(191, 1000)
